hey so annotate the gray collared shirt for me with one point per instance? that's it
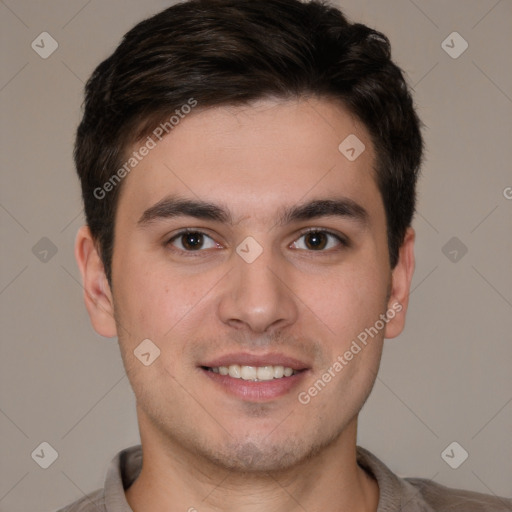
(396, 494)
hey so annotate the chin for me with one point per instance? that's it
(263, 456)
(250, 458)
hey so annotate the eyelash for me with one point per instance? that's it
(343, 241)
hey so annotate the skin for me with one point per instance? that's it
(203, 447)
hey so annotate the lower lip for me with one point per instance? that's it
(260, 391)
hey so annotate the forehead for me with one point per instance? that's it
(256, 159)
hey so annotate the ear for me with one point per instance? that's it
(401, 278)
(97, 294)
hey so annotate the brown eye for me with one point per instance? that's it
(319, 240)
(192, 241)
(315, 240)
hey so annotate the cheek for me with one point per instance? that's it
(151, 299)
(142, 295)
(347, 300)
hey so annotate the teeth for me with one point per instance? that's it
(234, 371)
(248, 372)
(254, 373)
(265, 373)
(278, 372)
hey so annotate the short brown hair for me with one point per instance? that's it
(231, 52)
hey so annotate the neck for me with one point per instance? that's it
(173, 479)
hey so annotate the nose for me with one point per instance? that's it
(258, 296)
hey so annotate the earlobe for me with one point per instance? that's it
(401, 279)
(97, 293)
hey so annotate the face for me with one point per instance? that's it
(248, 247)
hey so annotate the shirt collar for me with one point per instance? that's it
(394, 493)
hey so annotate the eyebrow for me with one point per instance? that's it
(173, 206)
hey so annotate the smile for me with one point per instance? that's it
(254, 373)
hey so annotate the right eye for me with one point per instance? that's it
(191, 241)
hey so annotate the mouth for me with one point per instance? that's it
(256, 378)
(253, 373)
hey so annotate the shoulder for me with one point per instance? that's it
(422, 495)
(93, 502)
(446, 499)
(121, 473)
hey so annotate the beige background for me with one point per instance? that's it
(447, 378)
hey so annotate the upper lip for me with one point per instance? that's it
(246, 359)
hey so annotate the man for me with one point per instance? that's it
(248, 171)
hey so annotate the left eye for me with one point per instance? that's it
(318, 241)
